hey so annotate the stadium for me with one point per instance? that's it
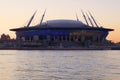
(62, 33)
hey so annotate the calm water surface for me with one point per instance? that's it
(59, 65)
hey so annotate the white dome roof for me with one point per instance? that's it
(65, 23)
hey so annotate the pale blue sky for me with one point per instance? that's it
(15, 13)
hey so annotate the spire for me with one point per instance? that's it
(31, 19)
(90, 20)
(93, 19)
(42, 17)
(85, 18)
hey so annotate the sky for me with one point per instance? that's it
(16, 13)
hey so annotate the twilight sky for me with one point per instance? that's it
(16, 13)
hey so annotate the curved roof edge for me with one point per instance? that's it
(65, 23)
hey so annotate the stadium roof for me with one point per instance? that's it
(65, 23)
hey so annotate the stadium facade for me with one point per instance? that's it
(62, 33)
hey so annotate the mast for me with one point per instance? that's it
(42, 17)
(77, 17)
(90, 20)
(85, 18)
(93, 19)
(31, 19)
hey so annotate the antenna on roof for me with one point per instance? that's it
(90, 20)
(31, 19)
(43, 17)
(93, 19)
(77, 17)
(85, 18)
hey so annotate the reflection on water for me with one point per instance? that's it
(59, 65)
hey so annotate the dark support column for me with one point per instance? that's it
(69, 38)
(82, 38)
(98, 38)
(66, 38)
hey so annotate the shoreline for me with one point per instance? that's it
(82, 48)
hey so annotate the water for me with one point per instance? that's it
(59, 65)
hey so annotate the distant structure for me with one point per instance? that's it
(6, 42)
(62, 33)
(5, 37)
